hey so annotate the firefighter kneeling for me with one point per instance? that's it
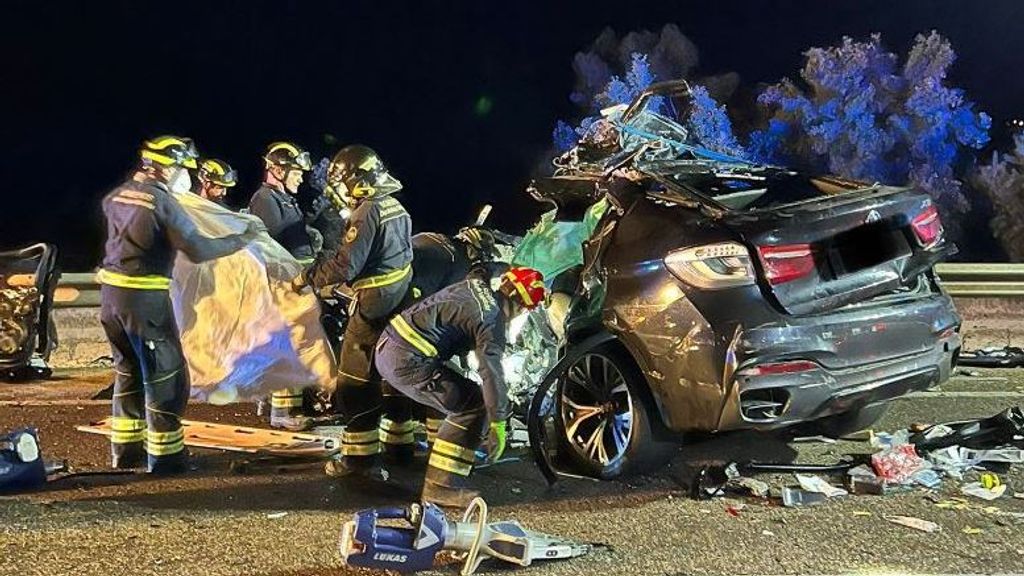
(411, 356)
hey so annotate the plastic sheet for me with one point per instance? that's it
(554, 246)
(244, 331)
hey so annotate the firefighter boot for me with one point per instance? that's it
(447, 496)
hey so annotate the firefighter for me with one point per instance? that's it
(145, 226)
(440, 262)
(374, 260)
(275, 201)
(412, 355)
(215, 177)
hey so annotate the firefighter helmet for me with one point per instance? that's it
(218, 173)
(361, 172)
(288, 156)
(524, 285)
(169, 151)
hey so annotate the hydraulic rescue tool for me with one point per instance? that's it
(367, 542)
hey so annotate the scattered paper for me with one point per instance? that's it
(977, 490)
(819, 485)
(915, 523)
(971, 530)
(277, 515)
(767, 533)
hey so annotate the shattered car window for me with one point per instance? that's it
(767, 189)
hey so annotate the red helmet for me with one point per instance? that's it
(526, 285)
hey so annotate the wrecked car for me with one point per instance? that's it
(719, 295)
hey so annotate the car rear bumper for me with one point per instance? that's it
(849, 360)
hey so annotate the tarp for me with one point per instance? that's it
(554, 246)
(244, 331)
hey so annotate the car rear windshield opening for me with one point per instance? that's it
(742, 192)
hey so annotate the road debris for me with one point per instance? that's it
(898, 464)
(915, 523)
(276, 515)
(817, 484)
(978, 490)
(971, 530)
(795, 497)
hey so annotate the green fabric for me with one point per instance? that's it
(552, 247)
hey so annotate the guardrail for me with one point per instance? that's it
(990, 280)
(80, 290)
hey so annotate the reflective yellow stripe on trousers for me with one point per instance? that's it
(360, 443)
(397, 433)
(165, 443)
(127, 430)
(451, 457)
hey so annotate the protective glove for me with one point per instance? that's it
(298, 284)
(495, 442)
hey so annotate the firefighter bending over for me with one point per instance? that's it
(412, 356)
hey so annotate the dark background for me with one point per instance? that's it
(84, 82)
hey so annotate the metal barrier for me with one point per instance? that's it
(990, 280)
(80, 290)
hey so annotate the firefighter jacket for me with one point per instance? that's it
(467, 316)
(375, 252)
(145, 227)
(284, 219)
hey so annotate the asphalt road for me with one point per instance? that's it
(215, 521)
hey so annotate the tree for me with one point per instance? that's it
(859, 114)
(614, 71)
(1002, 180)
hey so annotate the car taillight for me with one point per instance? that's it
(779, 368)
(712, 266)
(928, 226)
(786, 263)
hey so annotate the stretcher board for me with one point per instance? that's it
(233, 438)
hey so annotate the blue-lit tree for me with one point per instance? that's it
(860, 114)
(1002, 180)
(615, 71)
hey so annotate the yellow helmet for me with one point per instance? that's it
(169, 151)
(217, 172)
(289, 156)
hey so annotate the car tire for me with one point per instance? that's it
(646, 446)
(839, 425)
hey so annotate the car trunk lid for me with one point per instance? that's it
(824, 243)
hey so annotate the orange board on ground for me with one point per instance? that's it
(244, 439)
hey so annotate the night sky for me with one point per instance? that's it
(459, 98)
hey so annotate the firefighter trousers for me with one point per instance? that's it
(374, 413)
(429, 382)
(151, 385)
